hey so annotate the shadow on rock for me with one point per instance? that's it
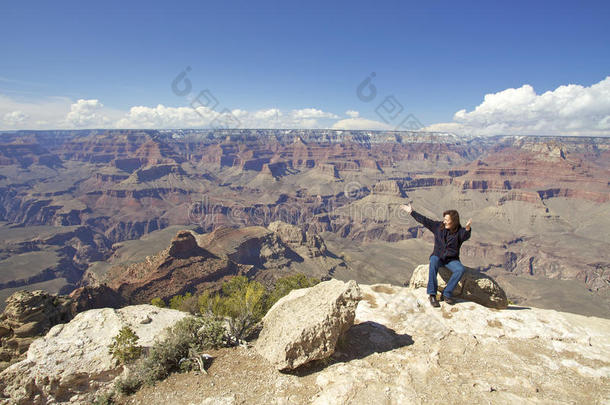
(358, 342)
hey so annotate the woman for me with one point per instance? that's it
(448, 238)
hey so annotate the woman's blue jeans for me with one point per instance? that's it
(454, 266)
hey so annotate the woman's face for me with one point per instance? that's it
(448, 222)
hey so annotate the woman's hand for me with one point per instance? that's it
(468, 224)
(407, 207)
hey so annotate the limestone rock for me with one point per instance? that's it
(401, 350)
(474, 286)
(36, 306)
(73, 359)
(29, 314)
(466, 354)
(305, 325)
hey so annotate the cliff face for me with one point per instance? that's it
(197, 262)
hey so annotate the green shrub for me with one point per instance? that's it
(190, 304)
(286, 284)
(185, 303)
(212, 334)
(242, 304)
(128, 385)
(212, 305)
(158, 302)
(124, 347)
(165, 356)
(204, 301)
(106, 398)
(185, 341)
(176, 301)
(235, 285)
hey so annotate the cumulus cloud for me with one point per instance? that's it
(306, 113)
(568, 110)
(55, 113)
(361, 123)
(61, 113)
(41, 114)
(15, 118)
(165, 117)
(87, 114)
(356, 122)
(275, 118)
(204, 117)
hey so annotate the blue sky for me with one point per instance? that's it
(435, 58)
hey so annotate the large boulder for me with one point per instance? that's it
(72, 362)
(306, 324)
(474, 286)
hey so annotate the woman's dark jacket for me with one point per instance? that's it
(446, 243)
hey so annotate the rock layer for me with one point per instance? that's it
(116, 185)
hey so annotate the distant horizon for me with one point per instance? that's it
(381, 131)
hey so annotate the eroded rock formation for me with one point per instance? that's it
(122, 184)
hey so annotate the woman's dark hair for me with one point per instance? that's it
(455, 218)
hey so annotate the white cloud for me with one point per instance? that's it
(165, 117)
(87, 114)
(361, 123)
(40, 114)
(312, 113)
(356, 122)
(15, 118)
(567, 110)
(202, 117)
(179, 117)
(55, 113)
(62, 113)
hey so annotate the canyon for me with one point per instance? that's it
(88, 207)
